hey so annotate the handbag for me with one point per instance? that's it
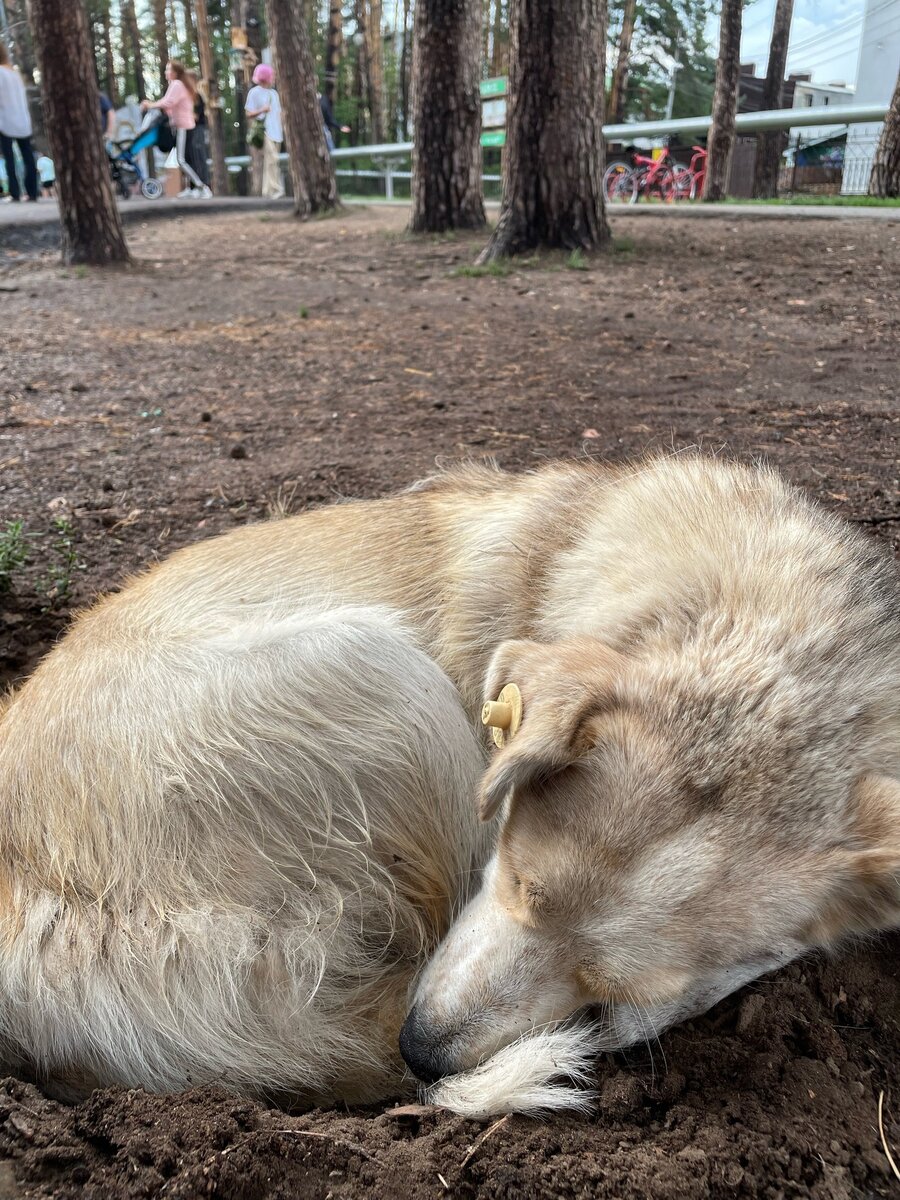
(257, 136)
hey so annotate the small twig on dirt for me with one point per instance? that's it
(884, 1141)
(873, 520)
(484, 1137)
(338, 1141)
(444, 1182)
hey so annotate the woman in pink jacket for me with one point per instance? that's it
(178, 105)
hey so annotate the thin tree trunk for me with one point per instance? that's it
(190, 34)
(616, 106)
(885, 177)
(312, 171)
(91, 226)
(333, 48)
(213, 101)
(375, 69)
(20, 34)
(720, 143)
(109, 71)
(132, 33)
(770, 146)
(405, 69)
(160, 36)
(446, 160)
(553, 165)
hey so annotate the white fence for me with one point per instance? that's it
(389, 161)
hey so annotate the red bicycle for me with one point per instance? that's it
(697, 171)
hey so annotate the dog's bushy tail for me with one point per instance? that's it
(540, 1073)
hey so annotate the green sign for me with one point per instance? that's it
(493, 87)
(495, 137)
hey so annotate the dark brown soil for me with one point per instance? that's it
(251, 365)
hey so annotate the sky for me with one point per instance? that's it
(825, 36)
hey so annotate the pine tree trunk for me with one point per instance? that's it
(213, 101)
(190, 34)
(109, 69)
(375, 69)
(720, 143)
(91, 226)
(885, 177)
(405, 69)
(312, 171)
(770, 146)
(554, 157)
(333, 48)
(132, 32)
(160, 37)
(446, 159)
(616, 106)
(20, 35)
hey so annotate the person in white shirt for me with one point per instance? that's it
(15, 128)
(263, 104)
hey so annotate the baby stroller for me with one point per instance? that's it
(125, 167)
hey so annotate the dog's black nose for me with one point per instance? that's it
(419, 1049)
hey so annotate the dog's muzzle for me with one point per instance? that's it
(422, 1051)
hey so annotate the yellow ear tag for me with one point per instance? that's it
(503, 715)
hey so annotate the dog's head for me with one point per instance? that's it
(661, 843)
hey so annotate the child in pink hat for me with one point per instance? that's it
(263, 108)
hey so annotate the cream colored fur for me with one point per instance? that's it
(238, 800)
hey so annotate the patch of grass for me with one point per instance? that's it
(577, 262)
(13, 553)
(622, 245)
(59, 577)
(497, 270)
(81, 272)
(264, 217)
(303, 312)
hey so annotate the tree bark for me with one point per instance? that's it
(91, 226)
(22, 48)
(770, 146)
(616, 107)
(554, 157)
(133, 34)
(161, 38)
(720, 143)
(885, 177)
(312, 171)
(333, 48)
(446, 159)
(213, 100)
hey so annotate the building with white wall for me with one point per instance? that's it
(879, 64)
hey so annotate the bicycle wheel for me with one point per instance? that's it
(683, 182)
(697, 182)
(618, 183)
(639, 184)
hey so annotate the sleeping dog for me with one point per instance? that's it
(239, 805)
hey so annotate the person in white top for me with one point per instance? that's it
(263, 104)
(15, 127)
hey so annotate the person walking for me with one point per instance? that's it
(178, 105)
(330, 124)
(15, 130)
(198, 139)
(263, 105)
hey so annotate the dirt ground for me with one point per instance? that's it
(249, 366)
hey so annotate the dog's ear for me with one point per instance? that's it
(563, 685)
(868, 892)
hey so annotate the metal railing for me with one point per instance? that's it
(390, 160)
